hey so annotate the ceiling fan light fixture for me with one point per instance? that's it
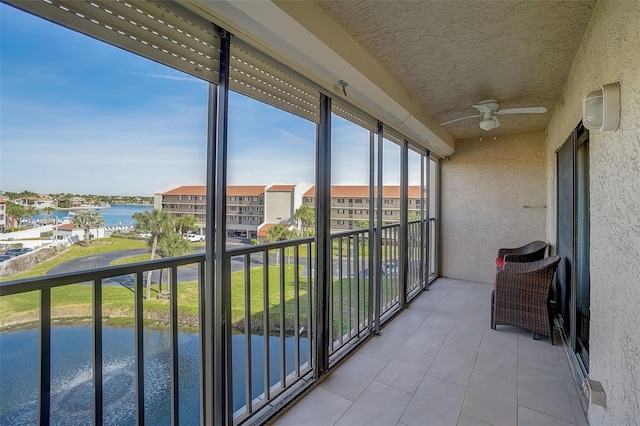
(488, 124)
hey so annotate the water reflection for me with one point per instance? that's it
(72, 385)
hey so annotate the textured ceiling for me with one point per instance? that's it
(452, 54)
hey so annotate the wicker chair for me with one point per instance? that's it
(527, 253)
(521, 296)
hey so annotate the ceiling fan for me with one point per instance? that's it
(488, 110)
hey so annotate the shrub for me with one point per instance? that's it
(253, 242)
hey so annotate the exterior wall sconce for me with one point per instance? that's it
(601, 108)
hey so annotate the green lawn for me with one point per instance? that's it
(74, 301)
(76, 250)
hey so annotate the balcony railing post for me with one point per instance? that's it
(45, 357)
(323, 240)
(223, 391)
(371, 240)
(378, 234)
(403, 262)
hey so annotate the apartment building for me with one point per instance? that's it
(183, 200)
(245, 206)
(350, 204)
(252, 210)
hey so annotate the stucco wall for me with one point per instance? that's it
(493, 195)
(610, 52)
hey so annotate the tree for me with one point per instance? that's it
(156, 223)
(48, 210)
(413, 216)
(362, 224)
(14, 212)
(305, 218)
(30, 212)
(279, 233)
(87, 219)
(171, 244)
(186, 223)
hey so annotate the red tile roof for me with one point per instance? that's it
(262, 232)
(281, 188)
(391, 191)
(2, 201)
(67, 227)
(245, 190)
(187, 190)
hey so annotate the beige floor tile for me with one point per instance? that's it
(350, 379)
(406, 370)
(312, 410)
(379, 404)
(498, 358)
(544, 391)
(492, 399)
(406, 322)
(435, 402)
(527, 417)
(465, 420)
(384, 346)
(426, 340)
(538, 353)
(454, 364)
(465, 335)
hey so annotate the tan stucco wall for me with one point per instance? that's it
(610, 52)
(493, 195)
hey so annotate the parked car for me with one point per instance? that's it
(195, 237)
(18, 251)
(4, 257)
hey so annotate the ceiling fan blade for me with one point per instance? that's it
(526, 110)
(462, 118)
(496, 121)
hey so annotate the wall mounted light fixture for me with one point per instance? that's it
(601, 108)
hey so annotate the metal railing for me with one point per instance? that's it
(95, 277)
(272, 312)
(277, 281)
(350, 306)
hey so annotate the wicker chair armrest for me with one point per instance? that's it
(511, 283)
(505, 251)
(539, 247)
(525, 257)
(522, 266)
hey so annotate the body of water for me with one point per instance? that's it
(71, 375)
(117, 215)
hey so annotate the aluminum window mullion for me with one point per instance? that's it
(173, 339)
(378, 234)
(44, 395)
(139, 348)
(323, 238)
(97, 352)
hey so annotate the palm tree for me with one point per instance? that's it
(14, 213)
(30, 211)
(156, 223)
(279, 233)
(305, 218)
(48, 210)
(87, 219)
(186, 223)
(171, 244)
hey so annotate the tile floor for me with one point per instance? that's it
(439, 363)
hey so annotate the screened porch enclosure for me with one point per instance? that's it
(314, 298)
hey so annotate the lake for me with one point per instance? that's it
(117, 215)
(71, 375)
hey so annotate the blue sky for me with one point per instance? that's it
(80, 116)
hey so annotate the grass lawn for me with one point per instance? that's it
(74, 301)
(75, 251)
